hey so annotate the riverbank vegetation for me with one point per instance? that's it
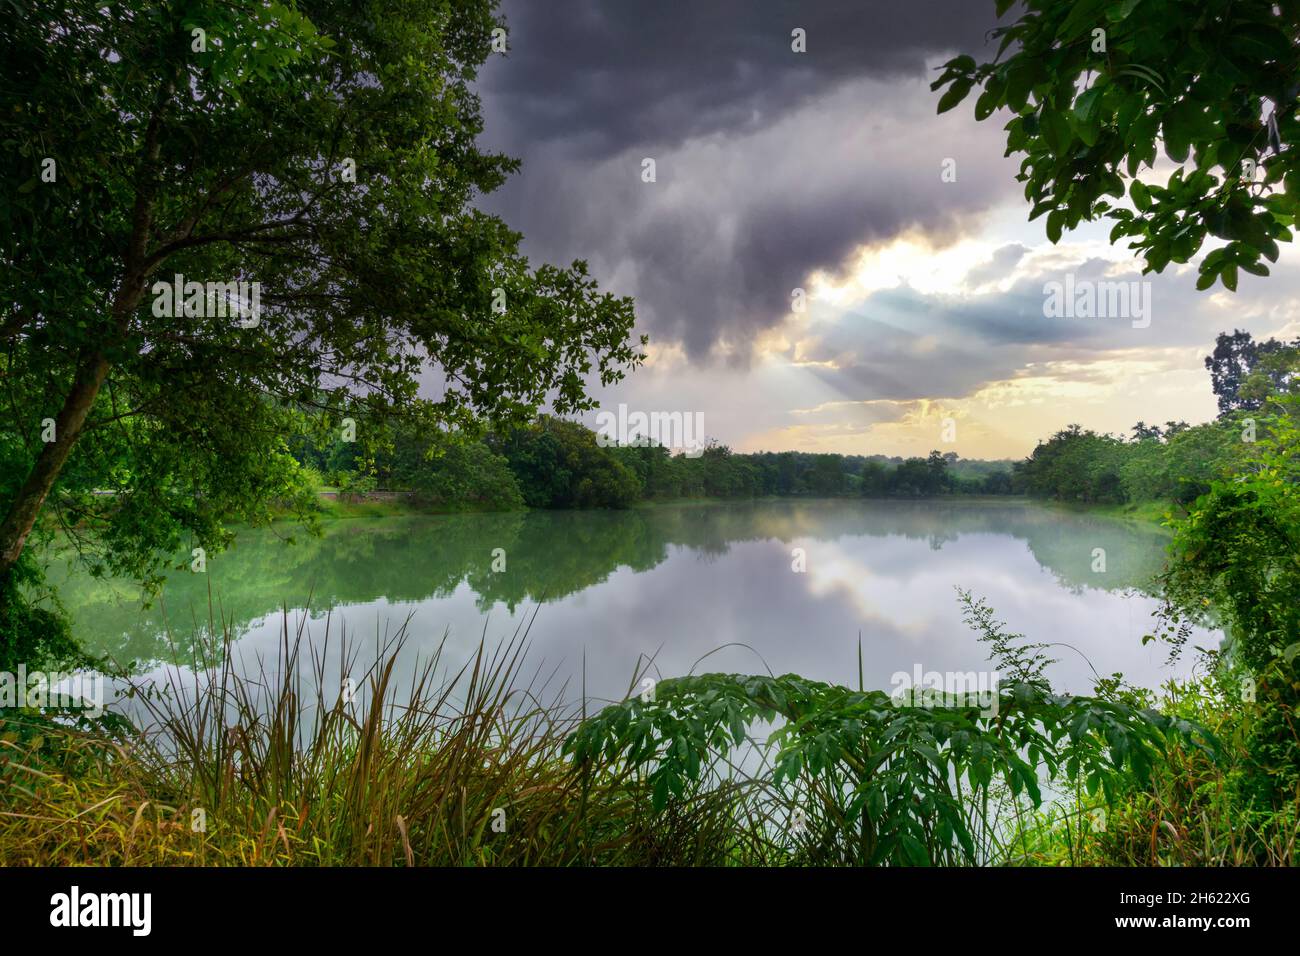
(467, 768)
(1175, 462)
(557, 463)
(1233, 563)
(1203, 772)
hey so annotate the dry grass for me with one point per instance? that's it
(270, 768)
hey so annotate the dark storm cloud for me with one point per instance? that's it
(601, 74)
(771, 165)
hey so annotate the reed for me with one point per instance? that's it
(280, 765)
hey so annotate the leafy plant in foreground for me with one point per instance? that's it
(873, 781)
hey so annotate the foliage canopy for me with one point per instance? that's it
(1097, 88)
(327, 152)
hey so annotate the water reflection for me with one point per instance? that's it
(679, 581)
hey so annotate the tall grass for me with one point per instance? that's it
(282, 765)
(313, 758)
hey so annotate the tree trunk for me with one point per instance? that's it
(93, 369)
(67, 429)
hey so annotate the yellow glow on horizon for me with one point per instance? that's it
(1006, 418)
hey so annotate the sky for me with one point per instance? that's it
(920, 322)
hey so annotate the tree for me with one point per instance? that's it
(1075, 464)
(322, 153)
(1144, 432)
(559, 464)
(787, 474)
(653, 465)
(1237, 357)
(1094, 86)
(1233, 561)
(1278, 373)
(826, 477)
(875, 478)
(911, 479)
(997, 483)
(937, 465)
(446, 469)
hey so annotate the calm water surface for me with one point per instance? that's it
(676, 582)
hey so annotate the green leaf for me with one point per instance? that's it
(987, 103)
(1082, 19)
(659, 797)
(1055, 219)
(1120, 13)
(1140, 195)
(914, 852)
(1181, 124)
(1020, 80)
(956, 93)
(1085, 107)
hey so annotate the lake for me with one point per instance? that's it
(675, 582)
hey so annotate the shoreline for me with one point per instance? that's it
(396, 504)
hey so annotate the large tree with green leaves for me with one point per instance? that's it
(1235, 563)
(326, 151)
(1097, 88)
(1244, 373)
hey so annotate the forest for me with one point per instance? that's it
(555, 463)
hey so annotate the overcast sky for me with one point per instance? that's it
(822, 171)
